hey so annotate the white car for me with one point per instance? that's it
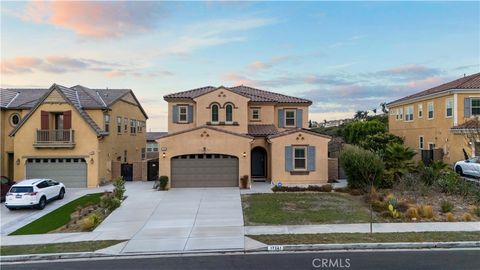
(34, 193)
(470, 167)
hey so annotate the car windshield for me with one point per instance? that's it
(21, 189)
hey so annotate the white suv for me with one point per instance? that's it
(34, 193)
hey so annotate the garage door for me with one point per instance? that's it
(204, 170)
(70, 171)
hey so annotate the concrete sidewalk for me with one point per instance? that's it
(365, 228)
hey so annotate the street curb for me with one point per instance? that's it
(313, 247)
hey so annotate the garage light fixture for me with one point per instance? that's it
(17, 161)
(244, 154)
(164, 155)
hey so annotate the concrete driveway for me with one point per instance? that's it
(184, 219)
(10, 221)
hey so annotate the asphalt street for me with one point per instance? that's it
(392, 260)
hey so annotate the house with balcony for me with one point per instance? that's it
(218, 135)
(80, 136)
(440, 122)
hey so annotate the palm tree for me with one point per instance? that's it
(398, 160)
(384, 107)
(358, 115)
(374, 110)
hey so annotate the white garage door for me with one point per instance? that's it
(70, 171)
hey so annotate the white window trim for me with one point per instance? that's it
(229, 122)
(106, 121)
(251, 114)
(11, 119)
(306, 158)
(430, 143)
(119, 124)
(471, 105)
(218, 114)
(421, 143)
(400, 114)
(420, 110)
(446, 107)
(294, 118)
(406, 113)
(428, 110)
(180, 107)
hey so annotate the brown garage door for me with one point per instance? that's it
(204, 170)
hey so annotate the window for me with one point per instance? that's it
(400, 114)
(420, 142)
(143, 153)
(449, 107)
(229, 113)
(133, 126)
(182, 114)
(214, 113)
(119, 124)
(393, 112)
(255, 114)
(475, 106)
(125, 156)
(300, 158)
(431, 146)
(106, 120)
(409, 113)
(14, 119)
(420, 110)
(430, 110)
(290, 118)
(125, 123)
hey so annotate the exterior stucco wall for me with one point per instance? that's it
(175, 127)
(279, 174)
(194, 142)
(6, 142)
(292, 106)
(267, 114)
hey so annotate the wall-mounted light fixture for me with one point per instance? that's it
(91, 160)
(17, 161)
(244, 154)
(164, 155)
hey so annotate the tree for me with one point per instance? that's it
(383, 105)
(378, 142)
(374, 110)
(398, 160)
(357, 131)
(362, 168)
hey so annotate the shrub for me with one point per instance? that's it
(476, 211)
(119, 188)
(448, 182)
(109, 201)
(402, 206)
(162, 182)
(315, 188)
(357, 131)
(377, 142)
(430, 174)
(467, 217)
(379, 206)
(412, 213)
(392, 200)
(446, 206)
(393, 212)
(90, 222)
(398, 160)
(244, 181)
(427, 211)
(362, 167)
(450, 217)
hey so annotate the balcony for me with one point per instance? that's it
(54, 138)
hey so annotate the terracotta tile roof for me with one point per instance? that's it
(152, 136)
(295, 130)
(472, 124)
(467, 82)
(262, 130)
(253, 94)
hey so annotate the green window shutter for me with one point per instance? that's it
(467, 107)
(280, 118)
(288, 159)
(175, 114)
(311, 158)
(190, 114)
(299, 118)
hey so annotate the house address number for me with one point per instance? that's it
(275, 248)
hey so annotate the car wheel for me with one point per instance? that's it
(12, 209)
(61, 194)
(42, 203)
(459, 170)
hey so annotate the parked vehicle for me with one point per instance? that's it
(470, 167)
(6, 183)
(34, 193)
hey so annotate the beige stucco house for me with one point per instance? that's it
(217, 135)
(444, 117)
(77, 135)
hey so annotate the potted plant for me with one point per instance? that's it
(163, 182)
(244, 182)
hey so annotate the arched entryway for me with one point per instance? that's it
(259, 163)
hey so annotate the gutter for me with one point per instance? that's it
(438, 94)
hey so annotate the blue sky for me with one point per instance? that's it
(344, 56)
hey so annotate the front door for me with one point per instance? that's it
(127, 171)
(259, 163)
(152, 170)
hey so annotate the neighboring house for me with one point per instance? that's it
(440, 118)
(217, 135)
(335, 123)
(74, 135)
(152, 145)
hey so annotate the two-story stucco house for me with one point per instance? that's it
(73, 135)
(217, 135)
(440, 118)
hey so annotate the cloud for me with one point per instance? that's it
(99, 20)
(476, 66)
(259, 65)
(410, 71)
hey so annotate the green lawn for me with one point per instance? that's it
(303, 208)
(334, 238)
(58, 248)
(58, 217)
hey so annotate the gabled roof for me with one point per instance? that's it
(295, 130)
(262, 130)
(78, 96)
(470, 125)
(467, 82)
(254, 94)
(207, 127)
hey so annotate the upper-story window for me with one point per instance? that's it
(449, 107)
(475, 106)
(14, 119)
(229, 113)
(430, 110)
(400, 114)
(290, 116)
(420, 110)
(409, 113)
(119, 124)
(106, 120)
(214, 109)
(133, 128)
(183, 114)
(255, 114)
(125, 123)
